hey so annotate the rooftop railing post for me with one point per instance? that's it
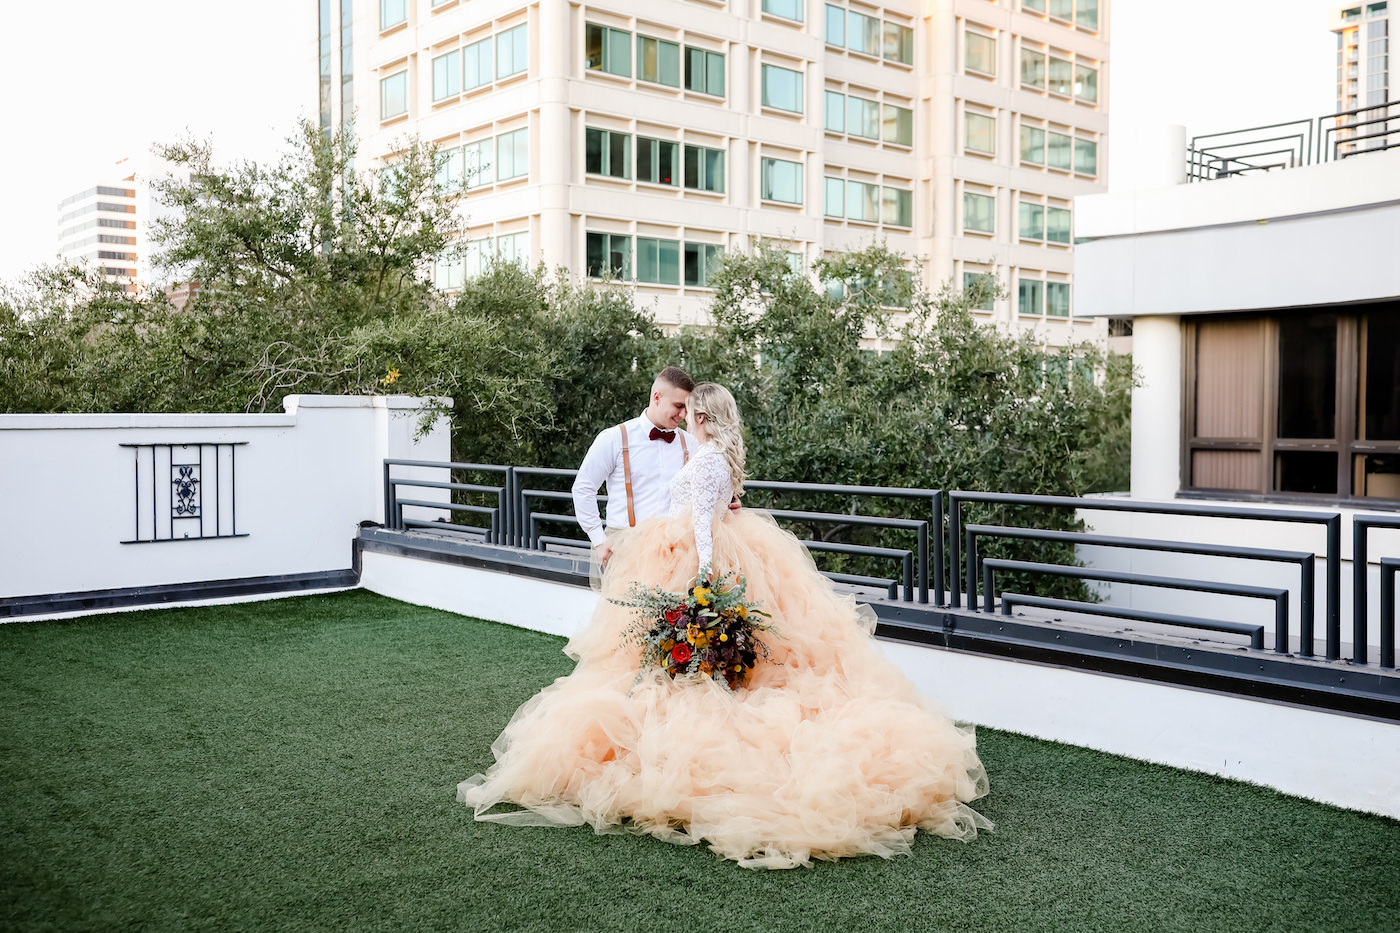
(954, 534)
(1358, 591)
(938, 587)
(1387, 597)
(971, 560)
(923, 562)
(387, 519)
(509, 507)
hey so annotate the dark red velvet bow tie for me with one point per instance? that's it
(658, 434)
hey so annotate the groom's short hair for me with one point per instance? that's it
(677, 377)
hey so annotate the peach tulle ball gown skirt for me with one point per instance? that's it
(829, 752)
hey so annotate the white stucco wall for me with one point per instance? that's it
(1348, 761)
(305, 479)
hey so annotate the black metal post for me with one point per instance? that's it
(1389, 567)
(1358, 592)
(938, 586)
(954, 536)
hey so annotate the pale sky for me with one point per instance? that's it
(95, 80)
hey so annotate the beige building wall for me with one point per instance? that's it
(908, 191)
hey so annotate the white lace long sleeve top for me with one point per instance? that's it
(704, 485)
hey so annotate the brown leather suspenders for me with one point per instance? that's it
(627, 472)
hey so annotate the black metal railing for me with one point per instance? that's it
(517, 513)
(1311, 141)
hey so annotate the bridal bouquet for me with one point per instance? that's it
(709, 629)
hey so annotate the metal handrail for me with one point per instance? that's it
(1313, 142)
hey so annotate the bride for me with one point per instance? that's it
(827, 752)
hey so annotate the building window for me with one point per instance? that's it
(512, 51)
(609, 254)
(899, 43)
(658, 161)
(979, 211)
(447, 271)
(862, 118)
(978, 289)
(514, 248)
(1086, 157)
(513, 154)
(607, 153)
(835, 112)
(478, 164)
(1057, 225)
(476, 64)
(1032, 68)
(704, 169)
(704, 71)
(1058, 151)
(834, 198)
(1060, 77)
(835, 26)
(782, 88)
(1032, 144)
(980, 133)
(1062, 9)
(658, 61)
(700, 262)
(1335, 425)
(863, 34)
(447, 75)
(897, 207)
(607, 49)
(862, 201)
(658, 261)
(449, 170)
(1032, 221)
(780, 180)
(897, 125)
(1057, 299)
(393, 98)
(1086, 84)
(981, 54)
(1086, 14)
(392, 12)
(787, 9)
(1038, 5)
(1029, 296)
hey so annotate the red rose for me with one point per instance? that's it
(675, 614)
(681, 653)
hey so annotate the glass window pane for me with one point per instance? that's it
(1306, 471)
(788, 9)
(835, 112)
(981, 53)
(478, 165)
(981, 133)
(862, 118)
(897, 207)
(863, 34)
(447, 75)
(1032, 226)
(1060, 76)
(670, 64)
(714, 170)
(782, 88)
(393, 95)
(593, 150)
(1033, 5)
(714, 73)
(596, 253)
(648, 269)
(476, 64)
(898, 126)
(593, 44)
(513, 154)
(978, 212)
(1033, 68)
(667, 157)
(1087, 13)
(1058, 150)
(978, 290)
(1057, 299)
(781, 180)
(1064, 9)
(835, 26)
(1086, 83)
(512, 55)
(834, 198)
(1307, 375)
(1032, 145)
(1029, 294)
(619, 155)
(1086, 156)
(392, 12)
(449, 172)
(1057, 224)
(899, 43)
(1380, 402)
(619, 53)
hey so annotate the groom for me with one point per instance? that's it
(637, 458)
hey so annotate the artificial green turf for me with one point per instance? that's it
(292, 765)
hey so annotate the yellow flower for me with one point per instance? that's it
(738, 667)
(702, 596)
(391, 377)
(723, 637)
(743, 612)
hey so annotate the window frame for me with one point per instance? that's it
(449, 70)
(383, 92)
(968, 34)
(766, 98)
(766, 188)
(991, 213)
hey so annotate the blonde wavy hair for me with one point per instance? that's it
(712, 404)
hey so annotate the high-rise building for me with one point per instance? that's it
(1363, 74)
(107, 225)
(644, 138)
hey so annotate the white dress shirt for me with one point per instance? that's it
(653, 463)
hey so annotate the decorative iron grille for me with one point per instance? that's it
(184, 492)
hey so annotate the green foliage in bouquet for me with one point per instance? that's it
(710, 629)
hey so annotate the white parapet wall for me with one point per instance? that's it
(1349, 761)
(118, 501)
